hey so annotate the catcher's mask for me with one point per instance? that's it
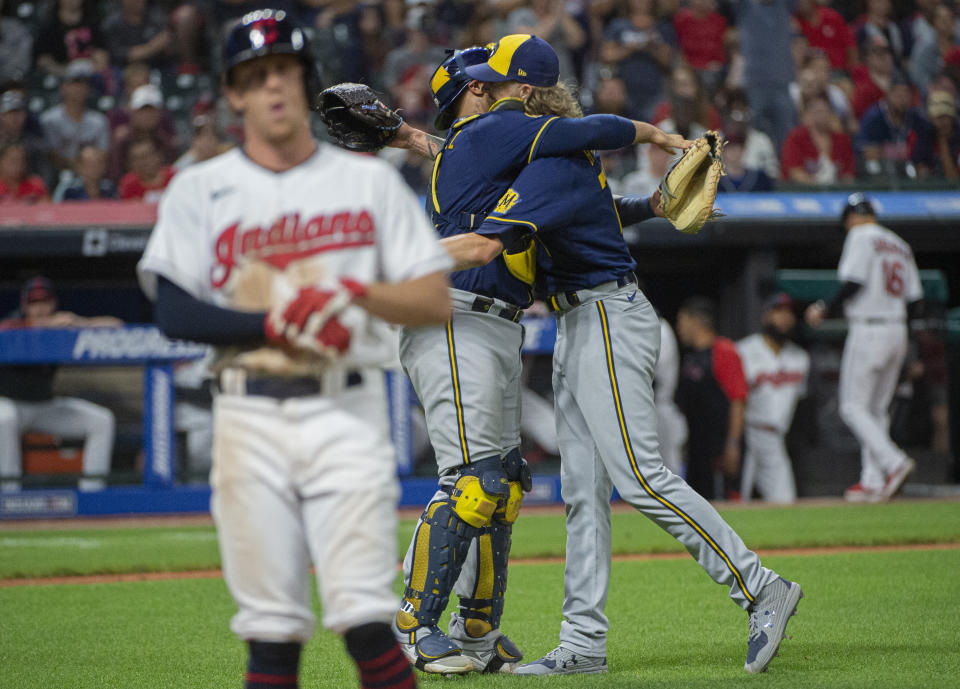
(270, 32)
(450, 79)
(859, 204)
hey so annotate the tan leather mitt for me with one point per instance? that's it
(689, 189)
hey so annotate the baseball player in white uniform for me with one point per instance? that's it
(879, 283)
(776, 370)
(671, 423)
(289, 255)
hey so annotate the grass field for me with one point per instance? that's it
(882, 620)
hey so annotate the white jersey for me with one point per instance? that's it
(878, 259)
(239, 236)
(776, 381)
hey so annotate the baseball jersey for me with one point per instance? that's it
(776, 381)
(878, 259)
(481, 156)
(240, 236)
(566, 206)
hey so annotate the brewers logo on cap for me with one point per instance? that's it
(519, 57)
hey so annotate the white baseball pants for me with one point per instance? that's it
(766, 466)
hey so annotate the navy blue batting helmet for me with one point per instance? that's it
(857, 203)
(269, 32)
(450, 79)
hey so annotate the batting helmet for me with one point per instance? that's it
(450, 79)
(857, 203)
(270, 32)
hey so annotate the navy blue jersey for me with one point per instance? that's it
(481, 156)
(565, 206)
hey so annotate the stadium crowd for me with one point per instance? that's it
(106, 100)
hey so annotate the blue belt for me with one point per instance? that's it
(567, 300)
(281, 388)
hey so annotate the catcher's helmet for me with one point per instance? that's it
(270, 32)
(450, 79)
(857, 203)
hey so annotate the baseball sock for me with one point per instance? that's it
(379, 659)
(272, 665)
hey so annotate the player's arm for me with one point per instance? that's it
(181, 316)
(821, 309)
(420, 301)
(413, 139)
(731, 452)
(728, 369)
(634, 209)
(471, 250)
(564, 135)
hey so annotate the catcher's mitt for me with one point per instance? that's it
(356, 118)
(689, 188)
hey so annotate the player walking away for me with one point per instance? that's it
(286, 254)
(467, 374)
(608, 337)
(712, 394)
(776, 370)
(27, 402)
(880, 283)
(671, 424)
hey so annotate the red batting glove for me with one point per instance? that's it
(357, 290)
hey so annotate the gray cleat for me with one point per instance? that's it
(769, 615)
(430, 650)
(563, 661)
(492, 652)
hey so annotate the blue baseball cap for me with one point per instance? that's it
(519, 57)
(449, 80)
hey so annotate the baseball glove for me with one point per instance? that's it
(689, 188)
(356, 118)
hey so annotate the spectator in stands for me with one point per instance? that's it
(205, 145)
(551, 20)
(350, 41)
(417, 54)
(813, 78)
(759, 152)
(878, 23)
(701, 32)
(652, 165)
(71, 124)
(15, 127)
(89, 182)
(826, 29)
(930, 52)
(918, 28)
(72, 32)
(763, 28)
(16, 45)
(711, 393)
(872, 79)
(641, 48)
(148, 176)
(889, 131)
(146, 117)
(188, 29)
(687, 109)
(610, 97)
(137, 33)
(739, 177)
(16, 181)
(815, 153)
(27, 402)
(937, 153)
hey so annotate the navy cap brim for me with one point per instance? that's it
(485, 72)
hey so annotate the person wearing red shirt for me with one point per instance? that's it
(700, 31)
(16, 184)
(871, 80)
(814, 153)
(826, 29)
(148, 176)
(712, 394)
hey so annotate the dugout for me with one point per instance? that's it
(90, 250)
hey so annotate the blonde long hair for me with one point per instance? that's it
(553, 100)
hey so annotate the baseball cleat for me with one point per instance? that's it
(771, 611)
(563, 661)
(860, 493)
(432, 651)
(897, 477)
(492, 652)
